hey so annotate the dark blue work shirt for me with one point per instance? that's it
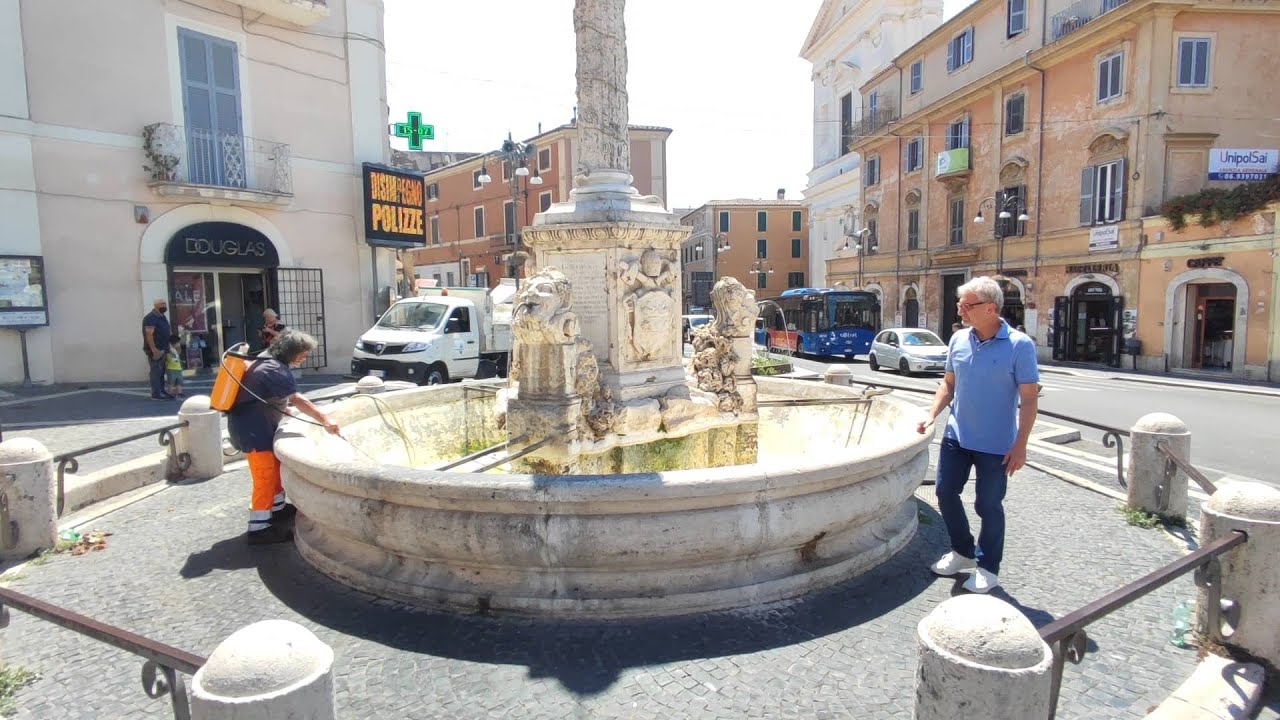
(252, 423)
(160, 333)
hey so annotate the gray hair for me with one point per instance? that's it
(288, 346)
(985, 288)
(271, 312)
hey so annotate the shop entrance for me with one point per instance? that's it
(910, 309)
(1211, 311)
(1087, 325)
(215, 309)
(950, 315)
(1013, 311)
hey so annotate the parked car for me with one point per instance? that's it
(689, 322)
(908, 350)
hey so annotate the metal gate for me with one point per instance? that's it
(1061, 327)
(1117, 330)
(300, 293)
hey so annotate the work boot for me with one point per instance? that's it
(271, 535)
(284, 515)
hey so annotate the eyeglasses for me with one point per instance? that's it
(969, 306)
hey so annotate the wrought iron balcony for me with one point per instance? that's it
(298, 12)
(872, 122)
(1080, 14)
(197, 162)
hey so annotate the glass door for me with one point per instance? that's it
(195, 318)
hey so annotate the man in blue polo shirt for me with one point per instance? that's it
(991, 385)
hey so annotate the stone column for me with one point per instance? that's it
(736, 311)
(1150, 469)
(980, 654)
(1250, 572)
(201, 438)
(28, 499)
(604, 150)
(270, 669)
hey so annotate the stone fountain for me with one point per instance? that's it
(612, 479)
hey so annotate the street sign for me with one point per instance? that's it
(414, 130)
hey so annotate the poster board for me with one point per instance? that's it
(23, 299)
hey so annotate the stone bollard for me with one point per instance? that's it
(201, 438)
(838, 375)
(370, 385)
(1150, 469)
(28, 499)
(979, 653)
(270, 669)
(1250, 572)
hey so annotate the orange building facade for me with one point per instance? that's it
(1077, 121)
(474, 229)
(762, 243)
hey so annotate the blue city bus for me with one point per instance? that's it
(819, 321)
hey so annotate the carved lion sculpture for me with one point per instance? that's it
(735, 308)
(542, 314)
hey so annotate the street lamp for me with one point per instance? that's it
(517, 157)
(861, 242)
(761, 267)
(1008, 205)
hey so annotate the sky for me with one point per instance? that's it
(724, 75)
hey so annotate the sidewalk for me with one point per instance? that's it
(1200, 381)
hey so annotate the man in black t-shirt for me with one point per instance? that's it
(155, 342)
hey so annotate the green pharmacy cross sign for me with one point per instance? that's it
(415, 131)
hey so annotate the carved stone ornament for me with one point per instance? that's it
(1013, 172)
(913, 197)
(542, 312)
(650, 306)
(712, 365)
(1106, 145)
(735, 308)
(1263, 223)
(602, 85)
(605, 233)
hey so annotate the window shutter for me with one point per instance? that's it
(951, 55)
(968, 45)
(197, 94)
(1021, 227)
(226, 86)
(1086, 194)
(1117, 186)
(997, 221)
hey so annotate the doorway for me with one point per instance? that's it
(950, 315)
(216, 309)
(1087, 325)
(1212, 309)
(910, 309)
(1012, 310)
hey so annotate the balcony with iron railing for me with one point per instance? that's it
(1080, 14)
(216, 165)
(298, 12)
(872, 121)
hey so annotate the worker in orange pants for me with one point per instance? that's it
(266, 392)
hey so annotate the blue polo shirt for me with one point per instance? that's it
(984, 411)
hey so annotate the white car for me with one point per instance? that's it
(908, 350)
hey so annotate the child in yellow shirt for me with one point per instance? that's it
(173, 367)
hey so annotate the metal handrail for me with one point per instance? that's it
(1066, 636)
(1205, 483)
(163, 662)
(68, 463)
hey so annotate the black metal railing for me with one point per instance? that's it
(1066, 636)
(873, 121)
(160, 672)
(1080, 14)
(69, 463)
(215, 158)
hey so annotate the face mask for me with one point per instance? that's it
(162, 309)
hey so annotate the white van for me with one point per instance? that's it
(443, 334)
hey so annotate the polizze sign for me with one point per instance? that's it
(393, 207)
(1235, 164)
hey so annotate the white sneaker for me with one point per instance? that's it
(981, 582)
(952, 563)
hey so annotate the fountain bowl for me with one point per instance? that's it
(829, 497)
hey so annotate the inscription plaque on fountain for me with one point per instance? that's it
(586, 273)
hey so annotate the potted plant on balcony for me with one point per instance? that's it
(157, 143)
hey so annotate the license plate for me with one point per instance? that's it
(378, 373)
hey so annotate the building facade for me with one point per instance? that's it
(850, 40)
(1039, 143)
(762, 243)
(210, 157)
(474, 227)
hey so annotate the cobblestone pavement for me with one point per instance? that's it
(176, 570)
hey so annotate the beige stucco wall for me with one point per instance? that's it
(87, 163)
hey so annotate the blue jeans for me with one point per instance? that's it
(953, 472)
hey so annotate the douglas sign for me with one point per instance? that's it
(1229, 164)
(393, 207)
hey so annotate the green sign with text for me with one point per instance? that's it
(414, 130)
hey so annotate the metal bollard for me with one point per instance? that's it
(201, 439)
(28, 499)
(979, 653)
(1156, 485)
(1237, 598)
(270, 669)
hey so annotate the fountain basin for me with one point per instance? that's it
(828, 498)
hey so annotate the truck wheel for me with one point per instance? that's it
(436, 375)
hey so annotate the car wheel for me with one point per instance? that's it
(436, 375)
(872, 362)
(904, 367)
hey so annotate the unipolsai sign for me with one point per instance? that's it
(1242, 164)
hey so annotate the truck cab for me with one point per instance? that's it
(443, 334)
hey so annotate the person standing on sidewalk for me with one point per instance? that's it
(991, 385)
(155, 343)
(266, 391)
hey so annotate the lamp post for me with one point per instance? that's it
(1007, 206)
(721, 242)
(517, 160)
(859, 241)
(760, 268)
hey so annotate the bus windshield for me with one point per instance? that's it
(413, 315)
(854, 312)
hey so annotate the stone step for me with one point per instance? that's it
(1219, 689)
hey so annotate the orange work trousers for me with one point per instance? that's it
(268, 493)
